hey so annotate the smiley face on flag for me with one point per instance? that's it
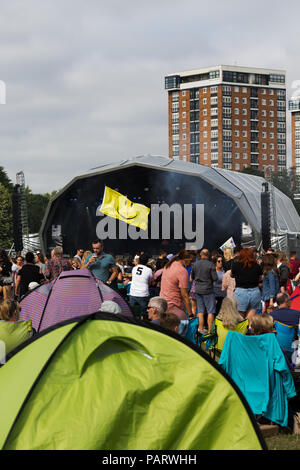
(118, 206)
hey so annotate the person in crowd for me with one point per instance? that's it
(101, 264)
(9, 310)
(40, 261)
(262, 324)
(139, 288)
(204, 273)
(79, 254)
(109, 306)
(247, 274)
(57, 264)
(161, 260)
(219, 293)
(175, 283)
(156, 307)
(84, 257)
(156, 279)
(270, 281)
(119, 264)
(228, 258)
(75, 262)
(170, 321)
(30, 272)
(16, 267)
(228, 284)
(294, 265)
(283, 313)
(6, 278)
(284, 270)
(228, 314)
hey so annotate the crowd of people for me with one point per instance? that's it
(242, 290)
(188, 284)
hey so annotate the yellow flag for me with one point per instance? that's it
(120, 207)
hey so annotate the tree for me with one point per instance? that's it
(6, 237)
(4, 179)
(36, 207)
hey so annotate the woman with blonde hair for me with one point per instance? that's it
(229, 314)
(84, 256)
(262, 324)
(228, 256)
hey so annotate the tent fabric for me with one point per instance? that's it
(104, 381)
(244, 189)
(14, 333)
(72, 294)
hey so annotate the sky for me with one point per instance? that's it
(85, 79)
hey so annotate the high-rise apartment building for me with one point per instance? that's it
(294, 107)
(228, 117)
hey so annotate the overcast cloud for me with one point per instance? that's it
(85, 80)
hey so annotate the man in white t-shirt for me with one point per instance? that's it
(139, 288)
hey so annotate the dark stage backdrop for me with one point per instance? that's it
(73, 218)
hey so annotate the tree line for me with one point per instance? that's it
(36, 207)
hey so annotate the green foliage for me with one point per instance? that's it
(36, 207)
(6, 236)
(4, 179)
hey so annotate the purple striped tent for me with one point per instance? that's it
(72, 294)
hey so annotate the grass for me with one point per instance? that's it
(283, 442)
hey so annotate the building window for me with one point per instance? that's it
(244, 100)
(184, 125)
(184, 147)
(204, 90)
(184, 115)
(236, 100)
(237, 166)
(237, 155)
(236, 122)
(237, 145)
(244, 122)
(184, 104)
(271, 113)
(204, 100)
(183, 136)
(244, 133)
(244, 145)
(205, 155)
(264, 113)
(245, 156)
(244, 111)
(183, 93)
(236, 110)
(205, 123)
(237, 133)
(204, 112)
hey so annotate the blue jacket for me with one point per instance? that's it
(270, 286)
(258, 367)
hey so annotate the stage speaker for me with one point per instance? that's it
(17, 218)
(266, 217)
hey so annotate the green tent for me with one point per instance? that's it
(106, 382)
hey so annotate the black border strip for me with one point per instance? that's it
(119, 318)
